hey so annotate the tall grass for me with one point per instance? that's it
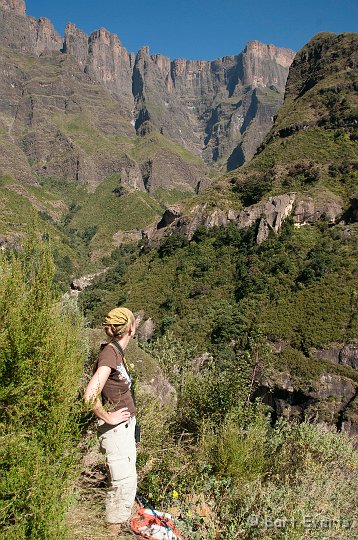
(234, 474)
(41, 363)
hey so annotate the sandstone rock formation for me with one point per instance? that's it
(80, 88)
(80, 284)
(16, 6)
(207, 107)
(329, 400)
(26, 34)
(268, 215)
(146, 330)
(309, 211)
(271, 215)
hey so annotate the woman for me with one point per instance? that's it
(117, 420)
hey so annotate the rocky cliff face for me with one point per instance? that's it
(102, 56)
(218, 110)
(26, 34)
(15, 6)
(211, 108)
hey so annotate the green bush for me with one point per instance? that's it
(41, 363)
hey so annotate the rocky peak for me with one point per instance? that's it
(144, 50)
(76, 44)
(26, 34)
(282, 56)
(266, 65)
(188, 100)
(45, 36)
(102, 56)
(17, 6)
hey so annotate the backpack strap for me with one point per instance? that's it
(125, 363)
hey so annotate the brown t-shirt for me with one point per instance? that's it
(117, 389)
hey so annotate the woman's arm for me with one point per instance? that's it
(92, 393)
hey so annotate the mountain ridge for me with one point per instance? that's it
(205, 106)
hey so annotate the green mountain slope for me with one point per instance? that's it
(313, 143)
(216, 287)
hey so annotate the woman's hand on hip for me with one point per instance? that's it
(117, 417)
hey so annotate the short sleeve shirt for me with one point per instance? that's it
(117, 389)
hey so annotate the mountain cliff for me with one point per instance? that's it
(215, 109)
(272, 249)
(219, 111)
(26, 34)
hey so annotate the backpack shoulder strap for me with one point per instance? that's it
(117, 346)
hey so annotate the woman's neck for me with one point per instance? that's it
(124, 340)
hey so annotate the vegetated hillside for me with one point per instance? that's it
(284, 266)
(210, 456)
(312, 147)
(82, 109)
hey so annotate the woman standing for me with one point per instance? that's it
(117, 420)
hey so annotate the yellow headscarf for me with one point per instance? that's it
(120, 317)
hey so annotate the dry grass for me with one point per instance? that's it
(85, 519)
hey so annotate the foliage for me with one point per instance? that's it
(171, 244)
(41, 362)
(107, 290)
(238, 476)
(297, 286)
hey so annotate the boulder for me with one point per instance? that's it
(308, 211)
(348, 356)
(274, 214)
(171, 214)
(80, 284)
(146, 330)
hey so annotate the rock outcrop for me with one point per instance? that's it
(330, 399)
(348, 356)
(27, 34)
(308, 211)
(216, 109)
(271, 215)
(267, 215)
(15, 6)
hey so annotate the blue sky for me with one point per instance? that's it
(203, 29)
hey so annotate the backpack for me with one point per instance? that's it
(154, 525)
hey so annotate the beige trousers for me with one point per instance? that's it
(118, 444)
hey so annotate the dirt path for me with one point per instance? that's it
(85, 520)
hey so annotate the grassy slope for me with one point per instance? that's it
(299, 287)
(110, 214)
(19, 210)
(86, 124)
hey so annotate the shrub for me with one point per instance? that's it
(172, 243)
(41, 359)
